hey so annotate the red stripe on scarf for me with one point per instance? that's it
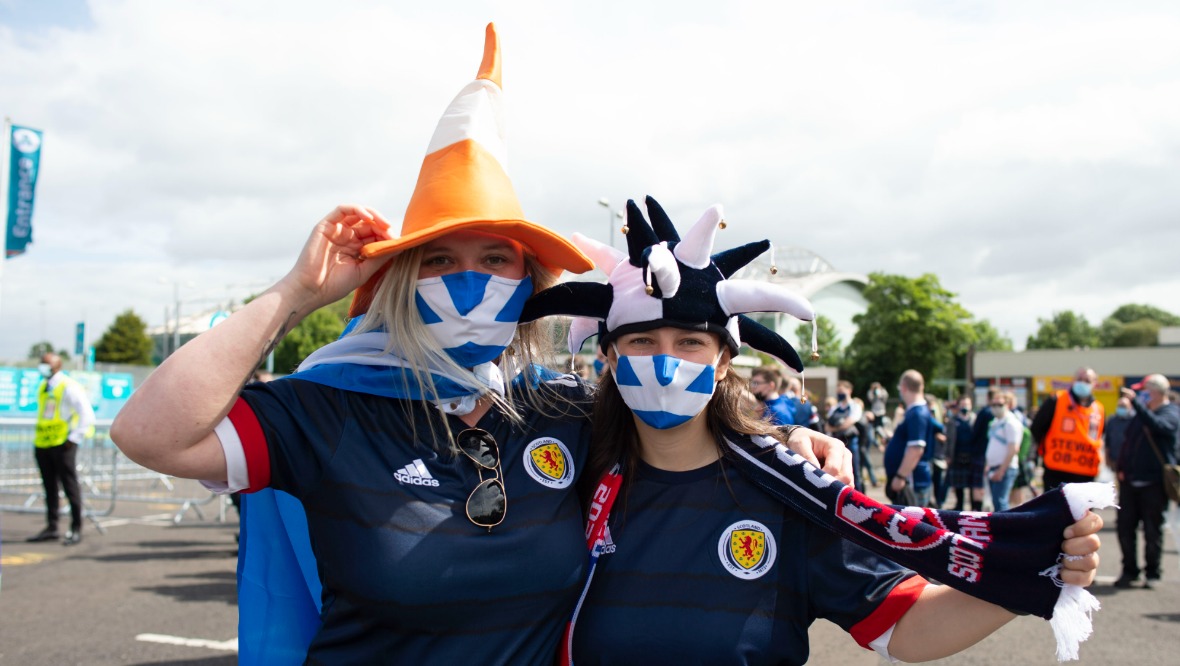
(253, 445)
(889, 612)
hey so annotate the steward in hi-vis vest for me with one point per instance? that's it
(1068, 431)
(52, 428)
(1074, 441)
(64, 419)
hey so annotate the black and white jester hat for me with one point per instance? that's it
(663, 280)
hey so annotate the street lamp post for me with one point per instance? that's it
(175, 313)
(610, 220)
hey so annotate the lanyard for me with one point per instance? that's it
(600, 506)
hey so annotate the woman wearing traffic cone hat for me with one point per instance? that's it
(440, 508)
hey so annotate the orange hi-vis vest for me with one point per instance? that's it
(1074, 440)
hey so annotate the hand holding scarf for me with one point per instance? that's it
(1012, 559)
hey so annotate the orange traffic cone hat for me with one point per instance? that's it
(463, 183)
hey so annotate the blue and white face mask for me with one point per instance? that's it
(472, 315)
(664, 391)
(1082, 389)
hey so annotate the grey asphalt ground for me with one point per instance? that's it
(101, 602)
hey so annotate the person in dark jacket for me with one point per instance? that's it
(1140, 472)
(1116, 431)
(959, 474)
(983, 420)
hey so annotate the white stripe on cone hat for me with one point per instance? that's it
(464, 185)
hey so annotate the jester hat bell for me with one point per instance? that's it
(463, 183)
(663, 280)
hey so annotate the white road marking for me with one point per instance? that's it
(229, 646)
(158, 520)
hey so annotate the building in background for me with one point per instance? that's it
(837, 295)
(170, 336)
(1036, 374)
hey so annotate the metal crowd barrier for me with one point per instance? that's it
(105, 477)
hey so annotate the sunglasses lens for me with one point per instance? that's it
(486, 505)
(480, 447)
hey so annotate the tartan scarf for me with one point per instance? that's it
(1010, 558)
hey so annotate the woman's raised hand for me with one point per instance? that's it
(330, 265)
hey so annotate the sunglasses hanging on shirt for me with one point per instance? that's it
(487, 503)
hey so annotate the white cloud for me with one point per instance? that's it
(1025, 154)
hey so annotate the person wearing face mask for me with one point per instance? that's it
(437, 490)
(64, 419)
(840, 422)
(776, 408)
(963, 475)
(1068, 432)
(1115, 432)
(1003, 443)
(1153, 438)
(695, 556)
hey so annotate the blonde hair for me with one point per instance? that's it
(395, 311)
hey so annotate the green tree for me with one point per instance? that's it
(987, 338)
(1135, 325)
(831, 349)
(1065, 330)
(316, 330)
(909, 323)
(126, 341)
(46, 347)
(1141, 333)
(984, 337)
(1135, 311)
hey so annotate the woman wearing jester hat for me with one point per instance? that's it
(723, 547)
(439, 494)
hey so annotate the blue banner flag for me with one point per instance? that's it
(24, 162)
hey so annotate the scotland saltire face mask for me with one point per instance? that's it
(473, 316)
(664, 391)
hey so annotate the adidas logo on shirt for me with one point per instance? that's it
(415, 474)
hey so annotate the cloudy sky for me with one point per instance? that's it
(1027, 153)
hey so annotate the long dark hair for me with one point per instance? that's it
(614, 437)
